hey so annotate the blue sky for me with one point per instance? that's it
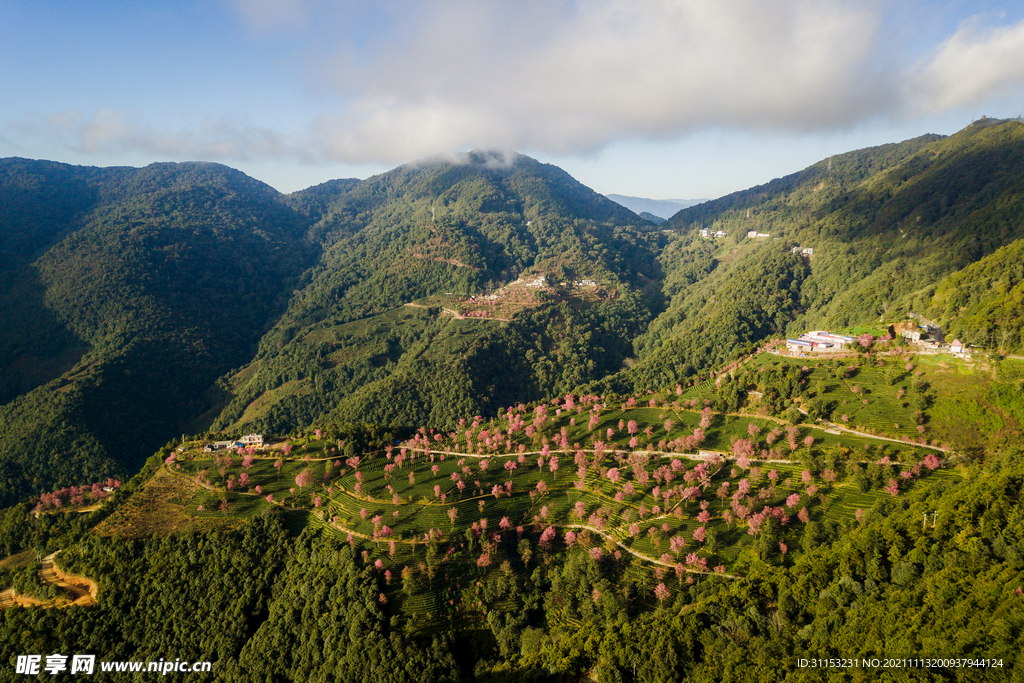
(661, 99)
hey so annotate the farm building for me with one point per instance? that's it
(909, 331)
(798, 344)
(251, 440)
(708, 234)
(820, 340)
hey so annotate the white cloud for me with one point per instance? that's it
(395, 80)
(574, 77)
(109, 131)
(972, 66)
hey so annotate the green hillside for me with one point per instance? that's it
(886, 226)
(983, 304)
(515, 432)
(690, 533)
(128, 298)
(438, 232)
(142, 303)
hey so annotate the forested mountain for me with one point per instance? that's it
(126, 293)
(983, 304)
(885, 226)
(450, 229)
(183, 297)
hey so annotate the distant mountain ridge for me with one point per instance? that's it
(662, 208)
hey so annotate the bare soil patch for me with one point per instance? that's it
(159, 509)
(79, 590)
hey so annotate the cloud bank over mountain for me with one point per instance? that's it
(384, 82)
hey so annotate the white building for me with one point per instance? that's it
(251, 440)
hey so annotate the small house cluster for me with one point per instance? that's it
(819, 341)
(539, 281)
(925, 335)
(585, 283)
(960, 350)
(803, 251)
(754, 234)
(254, 440)
(909, 331)
(709, 234)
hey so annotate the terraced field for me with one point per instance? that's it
(608, 476)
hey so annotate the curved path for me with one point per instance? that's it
(81, 590)
(638, 554)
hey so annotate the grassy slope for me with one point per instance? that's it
(887, 224)
(412, 508)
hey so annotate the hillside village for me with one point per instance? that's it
(925, 338)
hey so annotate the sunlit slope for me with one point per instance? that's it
(885, 225)
(436, 233)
